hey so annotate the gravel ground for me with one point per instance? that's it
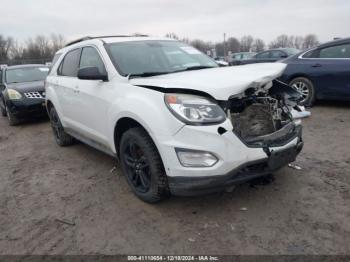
(67, 201)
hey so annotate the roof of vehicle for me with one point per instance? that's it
(24, 66)
(336, 42)
(117, 38)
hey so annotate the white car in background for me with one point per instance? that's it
(178, 123)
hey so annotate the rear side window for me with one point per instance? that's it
(339, 51)
(91, 58)
(277, 54)
(70, 63)
(263, 55)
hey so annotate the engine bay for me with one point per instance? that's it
(263, 117)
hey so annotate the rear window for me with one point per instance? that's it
(26, 74)
(70, 64)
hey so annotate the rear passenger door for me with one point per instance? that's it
(330, 67)
(67, 84)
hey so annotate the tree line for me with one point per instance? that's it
(38, 49)
(250, 44)
(41, 48)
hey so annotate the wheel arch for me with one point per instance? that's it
(124, 124)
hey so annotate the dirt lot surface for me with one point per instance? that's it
(66, 201)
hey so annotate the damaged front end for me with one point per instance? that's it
(266, 116)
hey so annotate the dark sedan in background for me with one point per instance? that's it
(22, 91)
(272, 55)
(237, 58)
(321, 73)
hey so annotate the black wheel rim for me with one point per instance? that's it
(137, 167)
(56, 126)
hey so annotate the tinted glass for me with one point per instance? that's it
(292, 51)
(263, 55)
(340, 51)
(26, 74)
(69, 66)
(54, 60)
(309, 54)
(91, 58)
(277, 54)
(138, 57)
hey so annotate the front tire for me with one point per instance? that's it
(2, 108)
(13, 120)
(306, 88)
(61, 137)
(142, 166)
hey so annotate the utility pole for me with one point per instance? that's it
(225, 46)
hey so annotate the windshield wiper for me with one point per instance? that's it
(147, 74)
(195, 68)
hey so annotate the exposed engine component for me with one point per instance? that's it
(258, 117)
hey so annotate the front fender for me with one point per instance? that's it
(147, 107)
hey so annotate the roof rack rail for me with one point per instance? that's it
(104, 36)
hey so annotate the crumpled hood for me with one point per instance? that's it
(221, 83)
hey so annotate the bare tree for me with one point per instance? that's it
(233, 45)
(172, 35)
(246, 43)
(57, 42)
(201, 45)
(310, 40)
(16, 51)
(298, 42)
(280, 42)
(5, 47)
(258, 45)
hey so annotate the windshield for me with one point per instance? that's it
(26, 74)
(140, 57)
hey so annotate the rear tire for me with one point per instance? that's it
(61, 137)
(142, 166)
(306, 88)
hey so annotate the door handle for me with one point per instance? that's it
(317, 65)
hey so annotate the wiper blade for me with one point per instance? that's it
(195, 68)
(147, 74)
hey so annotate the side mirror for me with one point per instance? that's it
(283, 56)
(91, 73)
(2, 87)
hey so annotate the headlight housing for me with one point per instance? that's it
(194, 110)
(13, 94)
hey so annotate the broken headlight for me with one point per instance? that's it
(194, 110)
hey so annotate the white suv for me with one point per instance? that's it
(178, 123)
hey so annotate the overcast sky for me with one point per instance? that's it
(204, 19)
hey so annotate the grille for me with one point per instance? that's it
(33, 95)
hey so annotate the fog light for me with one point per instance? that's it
(194, 158)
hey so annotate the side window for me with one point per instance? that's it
(310, 54)
(91, 58)
(339, 51)
(54, 60)
(277, 54)
(263, 55)
(69, 65)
